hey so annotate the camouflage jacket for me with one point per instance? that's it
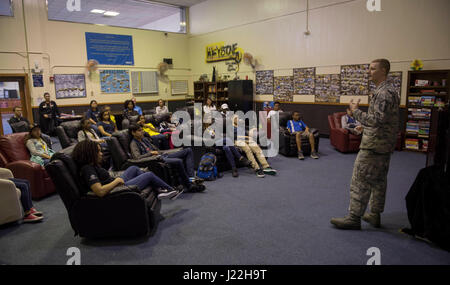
(381, 122)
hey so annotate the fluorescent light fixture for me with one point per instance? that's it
(183, 24)
(111, 13)
(97, 11)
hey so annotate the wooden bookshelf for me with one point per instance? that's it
(217, 91)
(436, 89)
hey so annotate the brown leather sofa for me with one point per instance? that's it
(340, 138)
(15, 156)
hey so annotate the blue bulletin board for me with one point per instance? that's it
(114, 81)
(110, 49)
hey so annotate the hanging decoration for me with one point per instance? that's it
(250, 60)
(91, 67)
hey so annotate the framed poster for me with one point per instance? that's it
(327, 88)
(114, 81)
(264, 82)
(355, 79)
(38, 80)
(110, 49)
(70, 86)
(283, 88)
(179, 87)
(304, 80)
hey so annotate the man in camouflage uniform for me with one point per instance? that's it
(381, 124)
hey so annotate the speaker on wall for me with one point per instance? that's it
(168, 61)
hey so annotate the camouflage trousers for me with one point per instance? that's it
(369, 181)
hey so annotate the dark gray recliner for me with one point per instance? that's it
(125, 212)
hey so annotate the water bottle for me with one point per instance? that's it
(73, 113)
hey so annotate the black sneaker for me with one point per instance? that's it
(300, 155)
(167, 195)
(196, 188)
(245, 162)
(270, 171)
(260, 173)
(235, 172)
(180, 190)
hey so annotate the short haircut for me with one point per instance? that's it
(276, 102)
(133, 128)
(15, 107)
(46, 93)
(384, 63)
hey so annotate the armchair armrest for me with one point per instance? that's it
(117, 190)
(5, 173)
(10, 207)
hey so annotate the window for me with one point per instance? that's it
(139, 14)
(6, 8)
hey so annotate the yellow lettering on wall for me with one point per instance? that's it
(220, 52)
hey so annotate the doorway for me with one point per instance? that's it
(13, 92)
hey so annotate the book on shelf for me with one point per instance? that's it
(412, 144)
(424, 129)
(427, 101)
(419, 113)
(414, 100)
(412, 127)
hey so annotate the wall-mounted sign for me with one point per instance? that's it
(110, 49)
(220, 52)
(38, 80)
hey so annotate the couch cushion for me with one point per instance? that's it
(284, 118)
(71, 128)
(124, 139)
(13, 147)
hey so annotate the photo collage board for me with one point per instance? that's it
(353, 80)
(283, 88)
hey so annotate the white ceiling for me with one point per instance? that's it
(133, 14)
(183, 3)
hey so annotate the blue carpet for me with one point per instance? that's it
(246, 220)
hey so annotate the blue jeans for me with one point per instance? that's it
(135, 176)
(183, 162)
(230, 152)
(25, 197)
(160, 141)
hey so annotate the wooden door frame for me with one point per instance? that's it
(26, 94)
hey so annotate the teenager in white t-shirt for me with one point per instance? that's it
(276, 109)
(207, 112)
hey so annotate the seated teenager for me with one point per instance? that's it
(161, 141)
(252, 149)
(92, 114)
(129, 110)
(301, 131)
(351, 124)
(31, 215)
(38, 148)
(231, 152)
(88, 156)
(161, 108)
(105, 126)
(182, 160)
(86, 132)
(111, 116)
